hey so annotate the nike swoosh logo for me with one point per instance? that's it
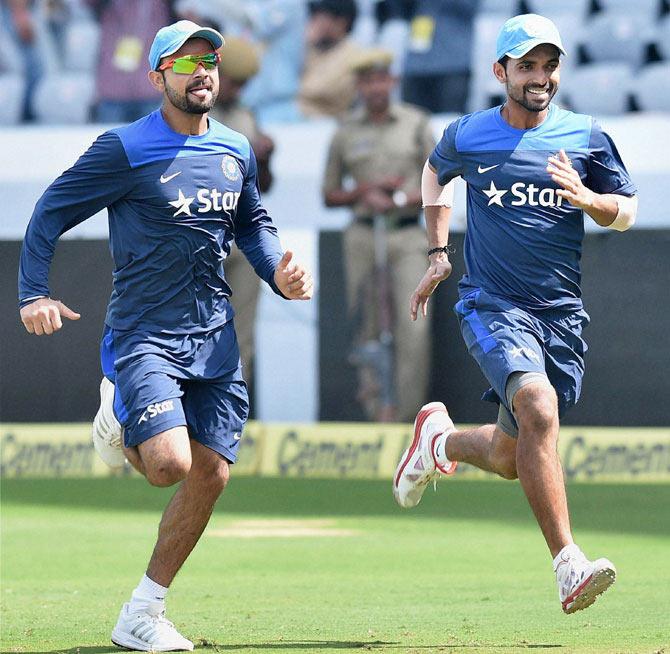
(165, 179)
(484, 170)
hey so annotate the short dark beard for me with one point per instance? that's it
(521, 98)
(185, 103)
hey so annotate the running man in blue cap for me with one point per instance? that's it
(179, 187)
(531, 169)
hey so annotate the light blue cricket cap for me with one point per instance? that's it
(521, 34)
(169, 39)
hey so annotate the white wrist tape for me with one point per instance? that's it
(432, 194)
(625, 217)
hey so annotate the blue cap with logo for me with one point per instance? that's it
(521, 34)
(169, 39)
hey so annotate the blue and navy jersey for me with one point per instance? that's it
(523, 241)
(175, 202)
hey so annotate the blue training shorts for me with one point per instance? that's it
(504, 339)
(164, 381)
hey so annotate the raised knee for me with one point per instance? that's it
(505, 466)
(168, 473)
(508, 470)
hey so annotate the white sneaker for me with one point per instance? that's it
(107, 432)
(148, 630)
(580, 581)
(417, 465)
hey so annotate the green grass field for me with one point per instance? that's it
(466, 571)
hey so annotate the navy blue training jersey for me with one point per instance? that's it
(175, 202)
(523, 241)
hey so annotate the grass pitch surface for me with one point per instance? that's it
(343, 569)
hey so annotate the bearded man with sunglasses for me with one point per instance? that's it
(178, 188)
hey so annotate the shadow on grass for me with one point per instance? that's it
(300, 645)
(368, 646)
(627, 508)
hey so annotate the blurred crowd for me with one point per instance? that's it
(380, 68)
(74, 61)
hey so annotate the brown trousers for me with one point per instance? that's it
(407, 263)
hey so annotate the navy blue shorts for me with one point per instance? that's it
(504, 339)
(164, 381)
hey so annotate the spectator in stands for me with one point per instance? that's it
(382, 146)
(437, 66)
(127, 29)
(239, 64)
(327, 87)
(277, 29)
(20, 23)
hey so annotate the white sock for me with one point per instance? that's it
(148, 591)
(440, 450)
(567, 552)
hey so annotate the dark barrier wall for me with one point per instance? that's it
(626, 288)
(55, 378)
(626, 291)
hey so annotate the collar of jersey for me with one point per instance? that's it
(533, 130)
(166, 127)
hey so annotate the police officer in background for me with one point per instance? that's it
(238, 65)
(382, 146)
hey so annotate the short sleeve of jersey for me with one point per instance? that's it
(445, 158)
(606, 172)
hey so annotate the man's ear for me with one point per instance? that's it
(157, 80)
(500, 72)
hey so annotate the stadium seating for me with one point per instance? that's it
(483, 85)
(648, 9)
(652, 87)
(556, 8)
(11, 98)
(661, 38)
(82, 43)
(617, 37)
(505, 8)
(600, 89)
(62, 98)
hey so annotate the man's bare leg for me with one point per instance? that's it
(538, 464)
(188, 513)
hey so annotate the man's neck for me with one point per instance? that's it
(379, 115)
(184, 123)
(519, 117)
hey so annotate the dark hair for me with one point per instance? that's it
(340, 8)
(503, 61)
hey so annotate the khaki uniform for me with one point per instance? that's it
(367, 151)
(328, 85)
(239, 273)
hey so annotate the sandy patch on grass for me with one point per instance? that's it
(281, 529)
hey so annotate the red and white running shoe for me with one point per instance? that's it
(418, 467)
(581, 581)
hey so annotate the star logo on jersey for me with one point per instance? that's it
(494, 195)
(519, 352)
(182, 205)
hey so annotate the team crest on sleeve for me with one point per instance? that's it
(230, 168)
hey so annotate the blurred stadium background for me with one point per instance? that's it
(307, 422)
